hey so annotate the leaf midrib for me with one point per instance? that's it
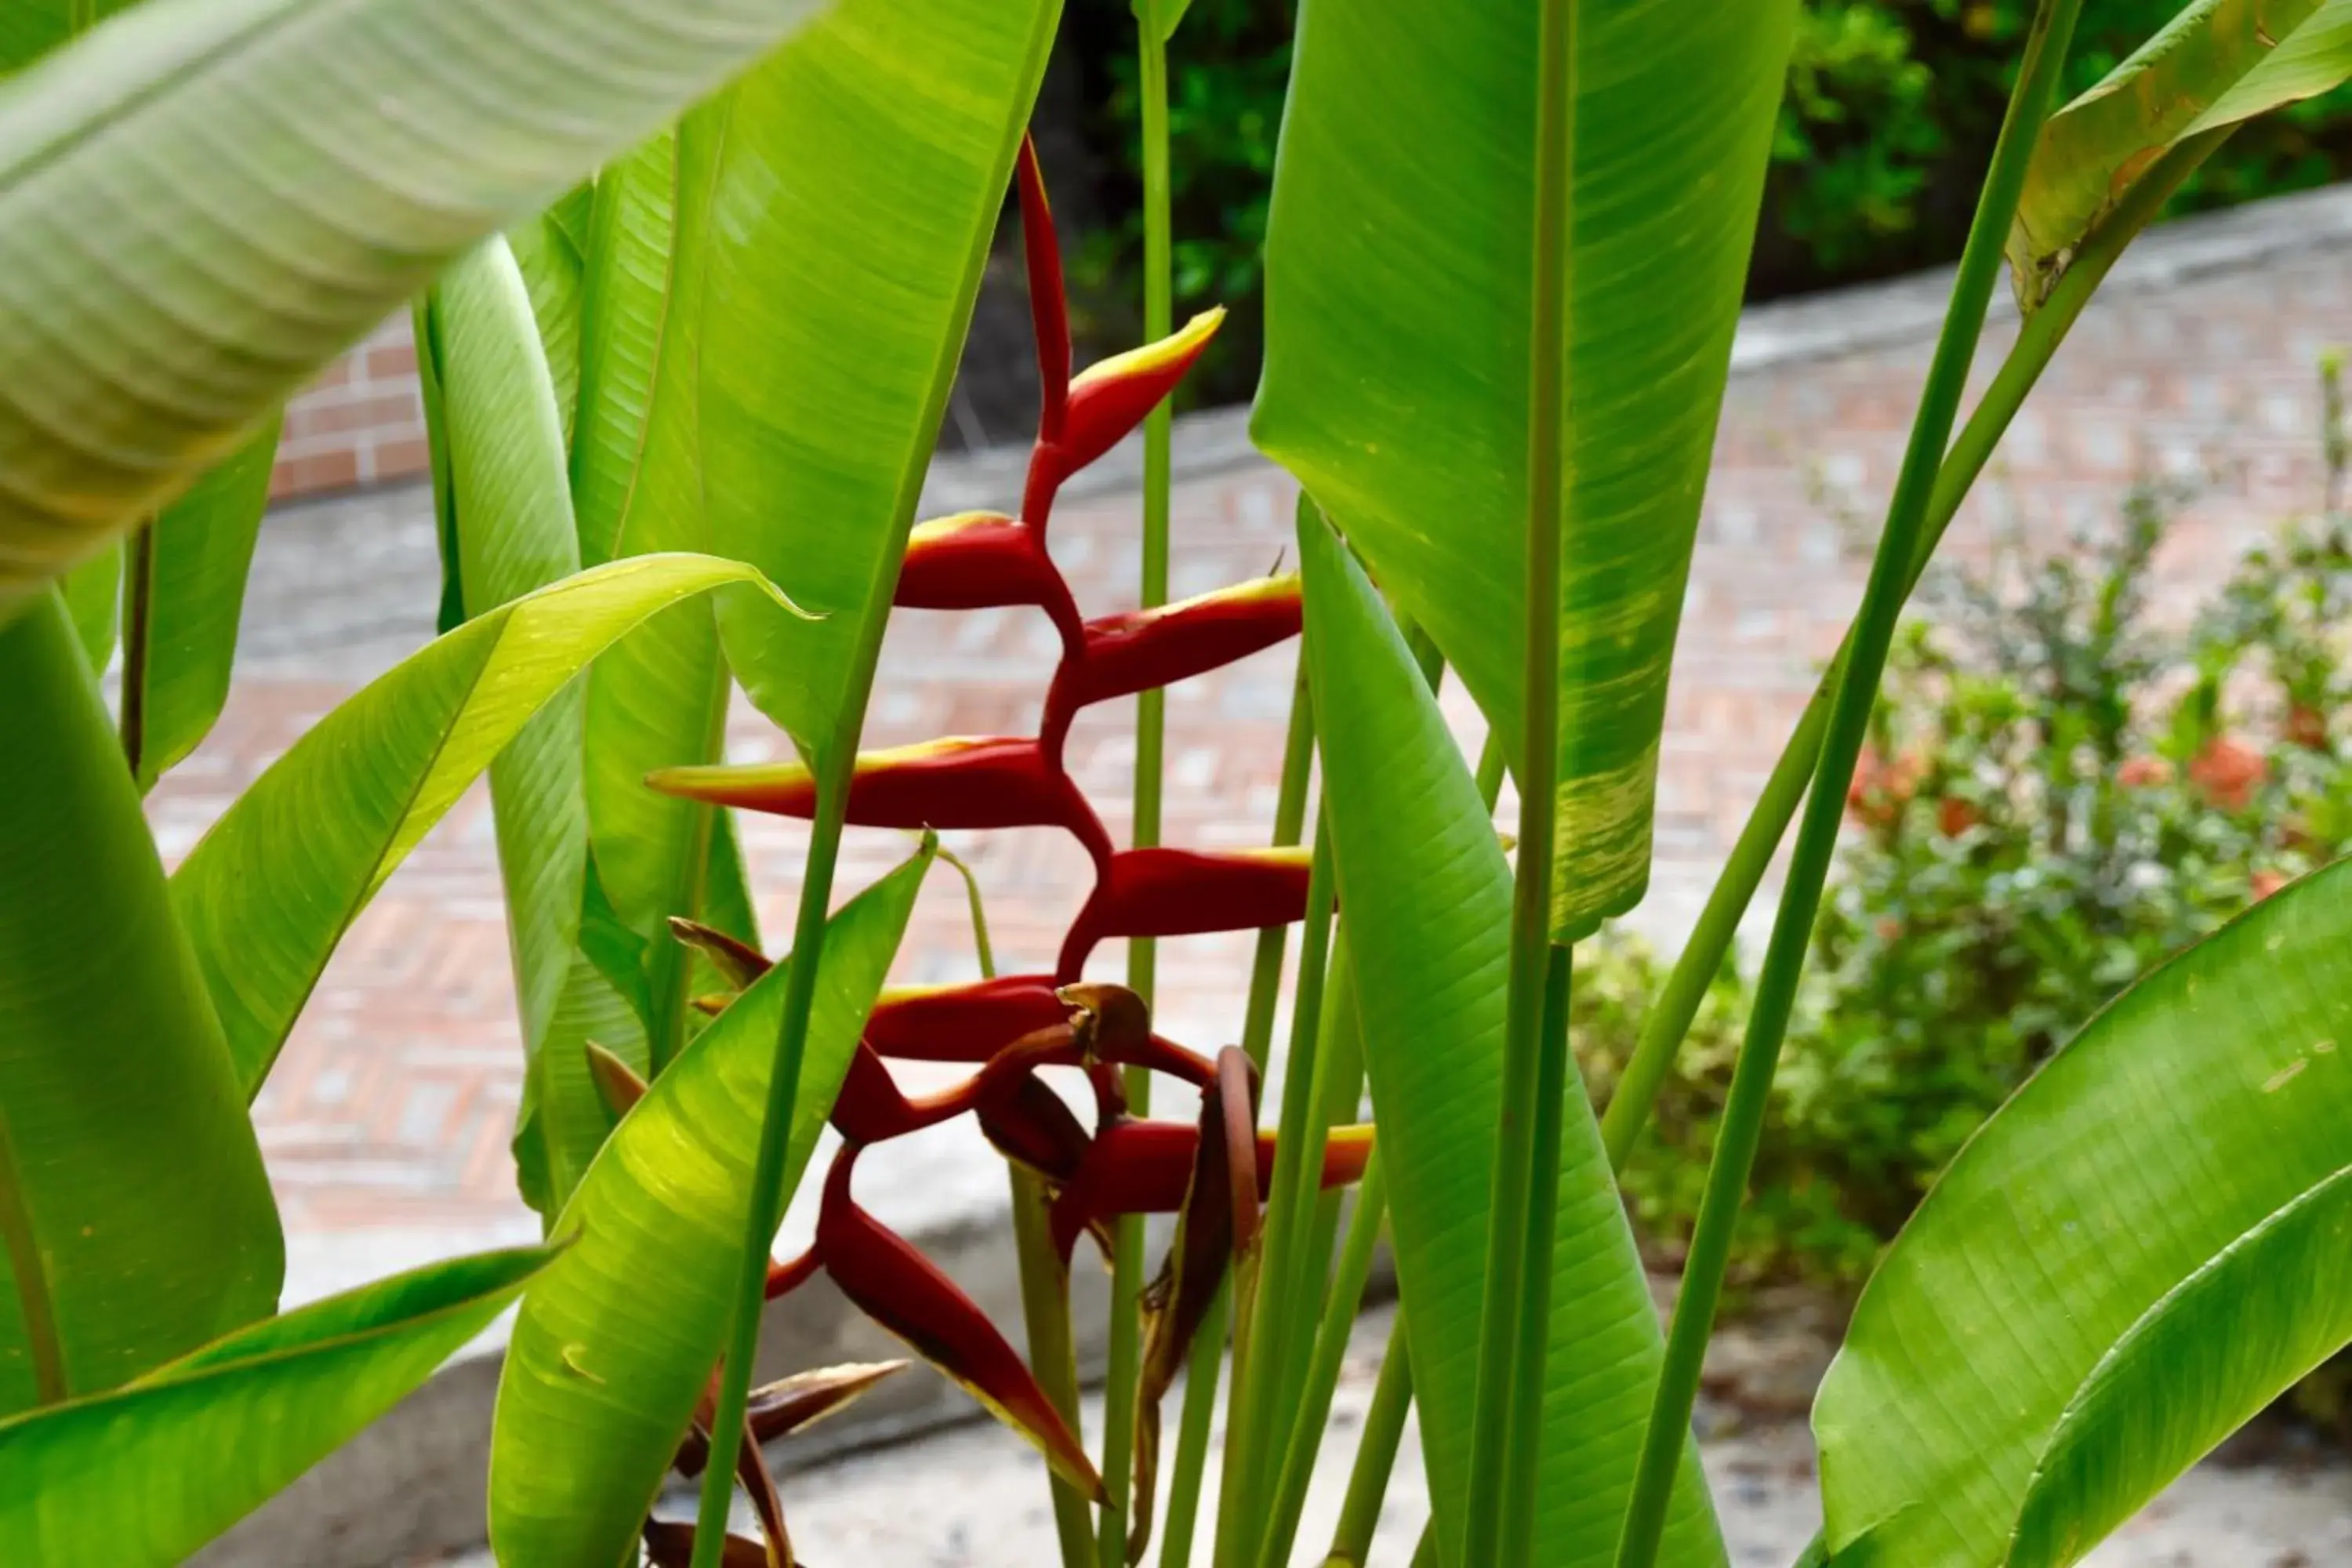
(33, 1294)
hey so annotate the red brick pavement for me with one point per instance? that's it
(391, 1105)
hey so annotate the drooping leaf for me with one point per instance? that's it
(146, 1475)
(2216, 63)
(1400, 261)
(512, 499)
(636, 473)
(201, 550)
(864, 168)
(616, 1344)
(2138, 1252)
(170, 295)
(135, 1220)
(270, 889)
(1427, 895)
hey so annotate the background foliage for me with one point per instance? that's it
(1890, 116)
(2068, 783)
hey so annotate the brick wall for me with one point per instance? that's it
(360, 422)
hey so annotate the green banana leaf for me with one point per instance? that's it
(31, 28)
(862, 173)
(660, 700)
(2145, 1247)
(136, 1220)
(617, 1341)
(510, 495)
(551, 248)
(93, 595)
(1399, 262)
(171, 296)
(148, 1474)
(270, 889)
(2215, 64)
(1428, 898)
(200, 550)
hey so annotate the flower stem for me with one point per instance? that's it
(1670, 1016)
(1857, 690)
(1150, 727)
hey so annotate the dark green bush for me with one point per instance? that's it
(2062, 790)
(1890, 113)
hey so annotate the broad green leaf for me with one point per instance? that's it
(1400, 263)
(615, 1343)
(2144, 1247)
(2215, 64)
(159, 297)
(201, 550)
(93, 594)
(149, 1473)
(551, 248)
(31, 28)
(659, 701)
(863, 170)
(511, 494)
(135, 1220)
(270, 889)
(1428, 897)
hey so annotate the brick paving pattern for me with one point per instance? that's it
(389, 1113)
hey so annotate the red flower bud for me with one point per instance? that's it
(1110, 398)
(958, 782)
(968, 1022)
(1146, 648)
(976, 560)
(786, 1405)
(1048, 305)
(1031, 1125)
(617, 1083)
(738, 962)
(897, 1286)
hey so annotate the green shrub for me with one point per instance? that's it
(2062, 791)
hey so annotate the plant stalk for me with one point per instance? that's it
(1502, 1476)
(1250, 1410)
(1322, 1379)
(1703, 955)
(1375, 1452)
(1120, 1393)
(137, 611)
(1857, 690)
(1206, 1360)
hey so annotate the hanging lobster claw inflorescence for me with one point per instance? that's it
(1211, 1170)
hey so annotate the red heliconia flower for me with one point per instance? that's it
(1146, 1167)
(2144, 771)
(976, 560)
(960, 781)
(1049, 311)
(1110, 398)
(1142, 649)
(897, 1286)
(966, 1022)
(2227, 772)
(1185, 892)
